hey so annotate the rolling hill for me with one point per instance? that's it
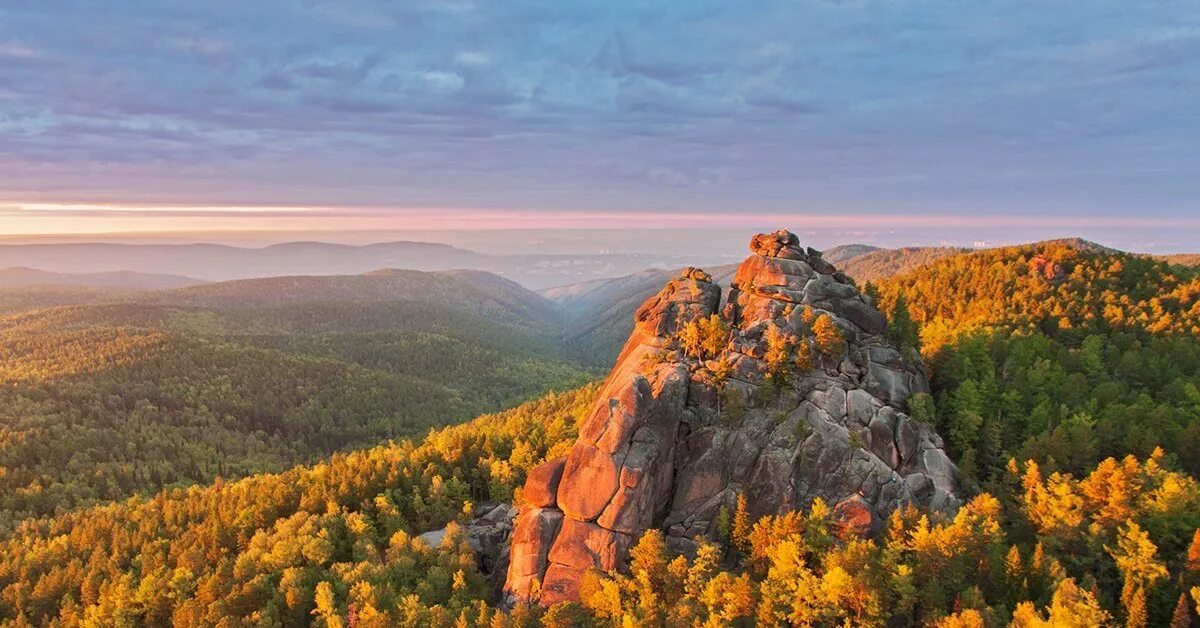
(880, 263)
(174, 387)
(1054, 355)
(1182, 259)
(27, 288)
(1062, 352)
(473, 291)
(127, 280)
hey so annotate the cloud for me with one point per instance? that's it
(882, 105)
(14, 49)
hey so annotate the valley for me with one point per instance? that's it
(181, 386)
(152, 436)
(466, 314)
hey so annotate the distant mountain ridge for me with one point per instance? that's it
(476, 291)
(218, 262)
(880, 263)
(17, 276)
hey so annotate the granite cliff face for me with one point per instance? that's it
(799, 396)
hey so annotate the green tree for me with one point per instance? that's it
(901, 327)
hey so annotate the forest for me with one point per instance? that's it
(1060, 353)
(101, 402)
(1064, 380)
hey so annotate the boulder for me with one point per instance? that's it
(854, 517)
(541, 486)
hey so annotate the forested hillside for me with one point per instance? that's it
(1065, 383)
(471, 291)
(98, 402)
(335, 544)
(21, 276)
(256, 550)
(1182, 259)
(18, 298)
(1055, 352)
(882, 263)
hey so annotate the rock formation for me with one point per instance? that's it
(800, 396)
(487, 533)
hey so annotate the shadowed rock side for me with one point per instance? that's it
(674, 436)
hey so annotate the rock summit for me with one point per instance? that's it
(785, 391)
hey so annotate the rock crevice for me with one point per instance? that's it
(804, 399)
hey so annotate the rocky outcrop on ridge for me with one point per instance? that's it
(796, 395)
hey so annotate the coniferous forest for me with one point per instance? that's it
(199, 465)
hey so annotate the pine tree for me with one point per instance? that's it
(326, 608)
(1182, 617)
(1136, 559)
(779, 348)
(724, 526)
(901, 328)
(1136, 615)
(720, 373)
(804, 357)
(691, 340)
(741, 525)
(1192, 567)
(828, 337)
(1014, 573)
(714, 335)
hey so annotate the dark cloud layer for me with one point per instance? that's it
(819, 105)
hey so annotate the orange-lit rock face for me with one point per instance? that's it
(662, 446)
(541, 487)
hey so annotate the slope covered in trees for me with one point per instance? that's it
(1119, 545)
(257, 550)
(1051, 365)
(1055, 352)
(1182, 259)
(335, 544)
(104, 401)
(472, 291)
(22, 276)
(881, 263)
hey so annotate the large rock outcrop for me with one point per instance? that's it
(799, 397)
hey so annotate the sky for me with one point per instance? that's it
(934, 117)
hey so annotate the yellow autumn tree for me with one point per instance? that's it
(1136, 558)
(969, 618)
(828, 337)
(778, 355)
(325, 608)
(741, 525)
(1071, 607)
(1054, 506)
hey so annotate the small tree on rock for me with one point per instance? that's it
(828, 337)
